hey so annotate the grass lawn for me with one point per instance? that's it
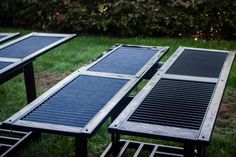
(61, 61)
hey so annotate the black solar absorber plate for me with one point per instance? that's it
(4, 64)
(125, 60)
(2, 36)
(27, 46)
(194, 63)
(175, 103)
(78, 102)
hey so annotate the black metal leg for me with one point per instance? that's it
(81, 147)
(201, 150)
(115, 138)
(188, 150)
(30, 82)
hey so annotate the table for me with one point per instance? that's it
(18, 55)
(15, 57)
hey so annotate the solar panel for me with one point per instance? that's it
(175, 103)
(125, 60)
(182, 100)
(4, 64)
(27, 46)
(76, 103)
(195, 63)
(85, 98)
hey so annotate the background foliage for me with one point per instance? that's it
(208, 19)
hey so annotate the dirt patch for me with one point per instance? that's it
(226, 120)
(228, 110)
(47, 79)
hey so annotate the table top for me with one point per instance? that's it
(24, 49)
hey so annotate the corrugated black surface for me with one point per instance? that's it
(175, 103)
(27, 46)
(4, 64)
(2, 36)
(125, 60)
(197, 63)
(78, 102)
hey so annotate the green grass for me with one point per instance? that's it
(78, 52)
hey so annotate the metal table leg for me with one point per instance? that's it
(81, 146)
(115, 138)
(188, 149)
(201, 150)
(30, 82)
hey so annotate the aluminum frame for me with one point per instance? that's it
(8, 36)
(102, 115)
(122, 126)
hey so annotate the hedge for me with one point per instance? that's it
(208, 19)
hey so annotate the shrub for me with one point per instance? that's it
(211, 19)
